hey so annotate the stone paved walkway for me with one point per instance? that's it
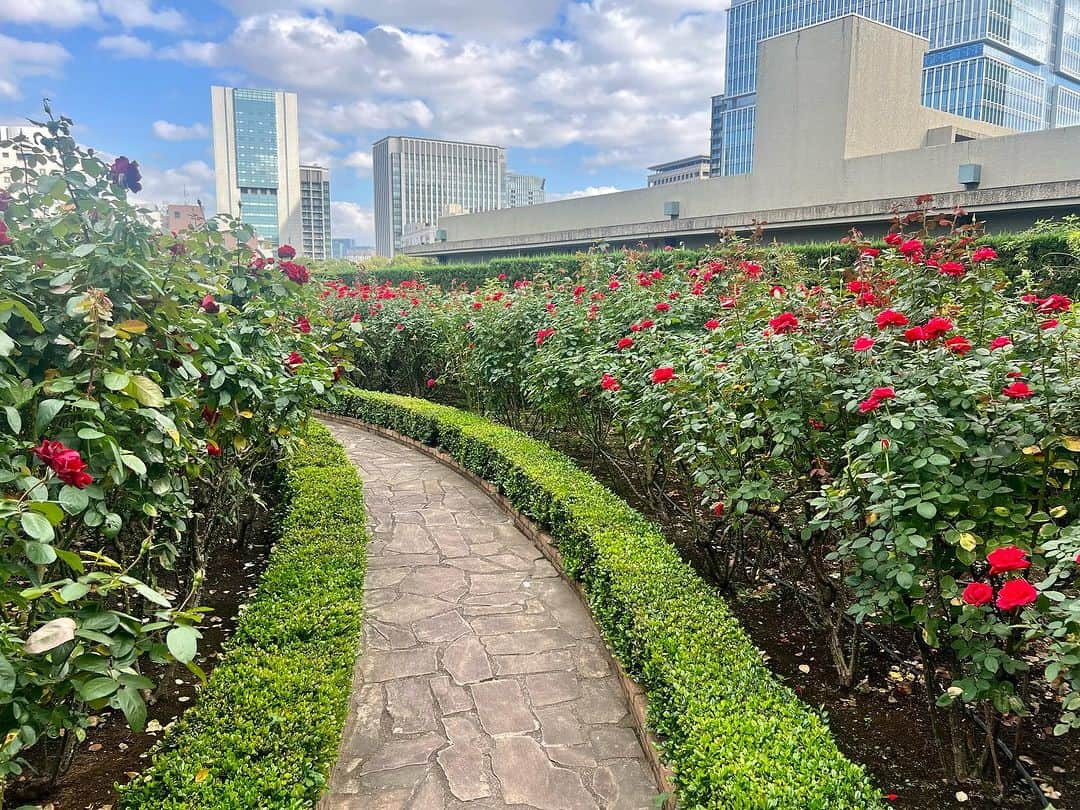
(483, 682)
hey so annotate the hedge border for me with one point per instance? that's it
(733, 735)
(265, 730)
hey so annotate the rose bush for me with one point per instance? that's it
(898, 438)
(145, 381)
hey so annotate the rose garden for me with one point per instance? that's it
(820, 513)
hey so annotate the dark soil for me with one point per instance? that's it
(884, 723)
(114, 753)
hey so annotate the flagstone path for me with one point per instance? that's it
(483, 682)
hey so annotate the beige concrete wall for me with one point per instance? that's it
(838, 121)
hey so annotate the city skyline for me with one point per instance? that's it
(583, 94)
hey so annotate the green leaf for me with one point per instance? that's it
(926, 509)
(152, 595)
(7, 676)
(83, 250)
(132, 705)
(37, 526)
(89, 434)
(7, 345)
(74, 591)
(73, 499)
(13, 419)
(46, 412)
(96, 688)
(182, 642)
(40, 553)
(146, 391)
(134, 463)
(116, 381)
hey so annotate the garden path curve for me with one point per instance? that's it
(483, 681)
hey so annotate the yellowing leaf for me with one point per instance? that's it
(968, 541)
(240, 443)
(871, 518)
(246, 414)
(147, 391)
(1059, 511)
(1071, 443)
(201, 774)
(1032, 450)
(132, 327)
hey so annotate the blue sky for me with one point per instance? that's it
(586, 94)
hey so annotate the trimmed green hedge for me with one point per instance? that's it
(734, 736)
(1051, 254)
(265, 730)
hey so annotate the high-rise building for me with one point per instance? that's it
(416, 178)
(184, 217)
(523, 189)
(315, 211)
(678, 171)
(1013, 63)
(257, 161)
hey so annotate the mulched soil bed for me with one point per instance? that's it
(884, 722)
(112, 752)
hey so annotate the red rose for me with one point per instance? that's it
(209, 305)
(303, 324)
(954, 269)
(936, 327)
(870, 253)
(625, 343)
(663, 374)
(1055, 303)
(579, 291)
(718, 509)
(502, 276)
(984, 254)
(776, 291)
(212, 449)
(959, 344)
(1007, 558)
(977, 593)
(915, 334)
(4, 238)
(65, 462)
(542, 335)
(1000, 343)
(614, 284)
(296, 272)
(293, 360)
(1016, 593)
(711, 324)
(912, 248)
(609, 383)
(663, 306)
(727, 301)
(647, 324)
(431, 383)
(1050, 324)
(883, 393)
(863, 344)
(894, 239)
(858, 286)
(784, 322)
(890, 317)
(1017, 390)
(286, 252)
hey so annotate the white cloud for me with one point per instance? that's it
(74, 13)
(140, 14)
(629, 78)
(591, 191)
(360, 160)
(57, 13)
(505, 20)
(20, 59)
(168, 131)
(186, 183)
(350, 220)
(125, 45)
(318, 148)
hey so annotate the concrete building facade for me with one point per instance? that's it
(1015, 64)
(257, 161)
(523, 189)
(315, 211)
(844, 141)
(678, 171)
(184, 217)
(415, 178)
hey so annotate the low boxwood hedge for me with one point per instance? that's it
(734, 736)
(265, 730)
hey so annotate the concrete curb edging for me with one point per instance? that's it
(545, 543)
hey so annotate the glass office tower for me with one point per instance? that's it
(257, 161)
(1014, 63)
(418, 180)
